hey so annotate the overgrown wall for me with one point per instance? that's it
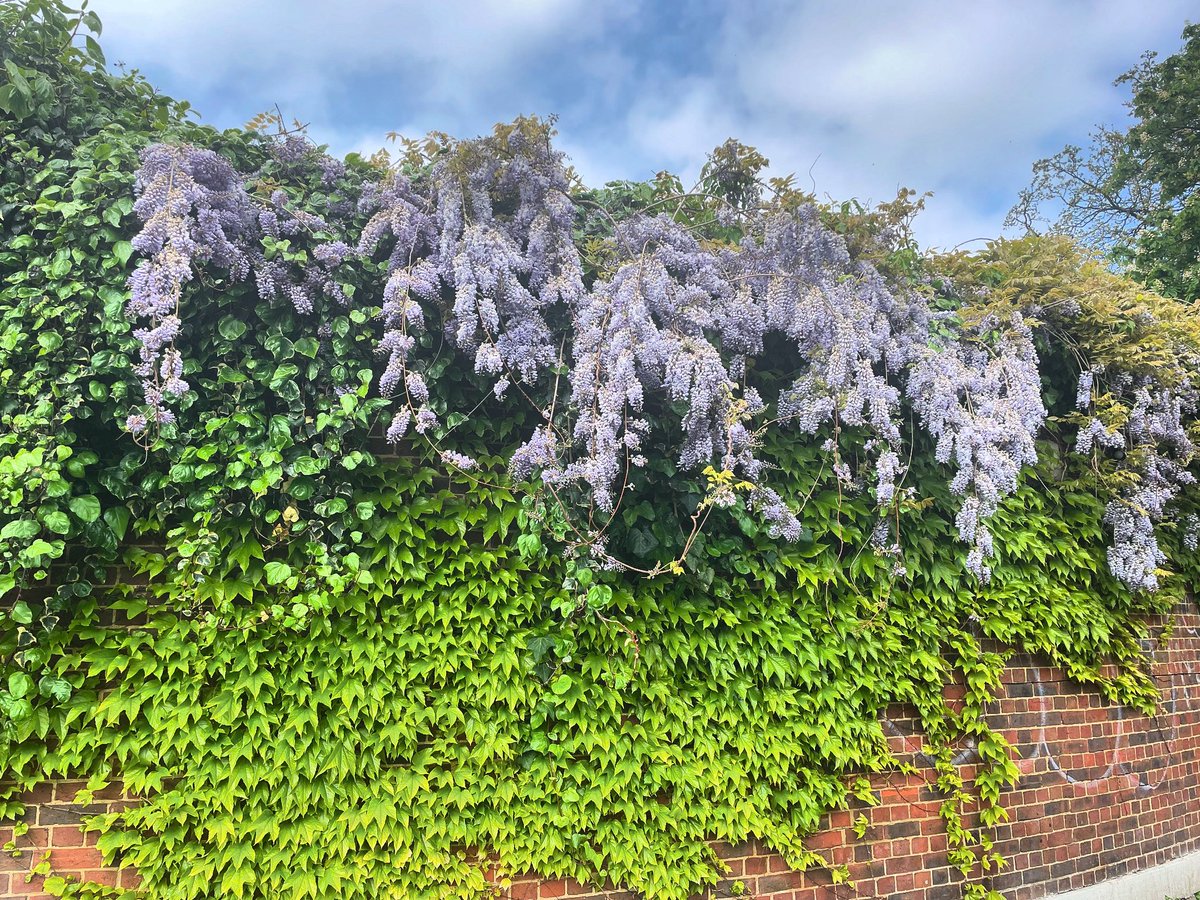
(1104, 791)
(682, 492)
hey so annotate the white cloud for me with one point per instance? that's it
(937, 95)
(944, 96)
(303, 52)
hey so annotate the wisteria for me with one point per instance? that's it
(505, 249)
(982, 401)
(196, 211)
(1156, 439)
(645, 330)
(480, 243)
(401, 215)
(276, 277)
(1191, 532)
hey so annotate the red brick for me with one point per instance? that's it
(756, 865)
(101, 876)
(66, 836)
(1061, 835)
(76, 858)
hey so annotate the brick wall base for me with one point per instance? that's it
(1105, 791)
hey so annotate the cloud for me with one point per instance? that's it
(944, 96)
(367, 55)
(955, 98)
(949, 85)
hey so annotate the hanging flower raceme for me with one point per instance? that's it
(667, 338)
(276, 277)
(981, 399)
(1160, 448)
(401, 217)
(195, 211)
(506, 249)
(649, 328)
(491, 225)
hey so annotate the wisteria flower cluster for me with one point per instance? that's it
(275, 276)
(480, 243)
(491, 226)
(196, 211)
(983, 403)
(1156, 440)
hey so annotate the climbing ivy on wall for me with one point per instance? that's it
(330, 664)
(442, 706)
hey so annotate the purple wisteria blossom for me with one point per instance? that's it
(983, 403)
(195, 211)
(663, 344)
(1161, 448)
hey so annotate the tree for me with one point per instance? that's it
(1134, 193)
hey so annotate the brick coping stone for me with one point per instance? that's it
(1178, 878)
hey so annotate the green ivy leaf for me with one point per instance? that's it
(87, 507)
(55, 688)
(20, 685)
(20, 529)
(277, 572)
(57, 521)
(308, 347)
(307, 465)
(117, 518)
(49, 341)
(40, 549)
(230, 328)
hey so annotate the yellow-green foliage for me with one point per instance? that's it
(443, 710)
(1089, 319)
(356, 679)
(1107, 320)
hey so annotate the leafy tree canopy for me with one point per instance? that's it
(1133, 193)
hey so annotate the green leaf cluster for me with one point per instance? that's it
(443, 711)
(329, 672)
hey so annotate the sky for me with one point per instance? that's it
(856, 98)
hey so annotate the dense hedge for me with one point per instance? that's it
(362, 669)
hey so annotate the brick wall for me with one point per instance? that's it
(1104, 791)
(54, 823)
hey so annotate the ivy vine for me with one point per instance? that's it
(330, 664)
